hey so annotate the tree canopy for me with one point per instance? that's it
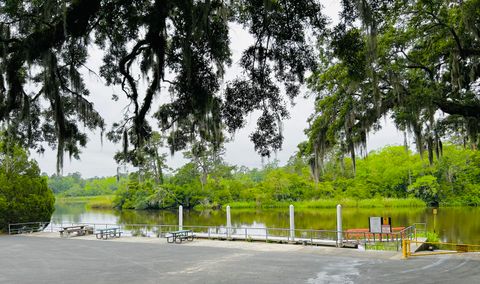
(416, 61)
(180, 45)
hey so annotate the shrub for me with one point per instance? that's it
(24, 194)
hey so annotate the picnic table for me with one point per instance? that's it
(179, 236)
(80, 230)
(108, 233)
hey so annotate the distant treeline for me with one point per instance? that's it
(392, 173)
(74, 185)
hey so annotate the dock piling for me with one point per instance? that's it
(180, 217)
(229, 222)
(339, 226)
(292, 223)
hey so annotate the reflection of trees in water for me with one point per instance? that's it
(146, 217)
(459, 224)
(69, 208)
(68, 212)
(320, 219)
(77, 212)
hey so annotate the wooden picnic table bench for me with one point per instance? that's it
(179, 236)
(108, 233)
(80, 230)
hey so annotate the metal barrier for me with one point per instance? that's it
(280, 235)
(389, 241)
(435, 248)
(28, 227)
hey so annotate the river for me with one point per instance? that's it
(452, 224)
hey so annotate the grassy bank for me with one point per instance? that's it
(106, 201)
(332, 203)
(100, 201)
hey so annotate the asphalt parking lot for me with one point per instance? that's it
(29, 259)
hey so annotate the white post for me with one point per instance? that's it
(180, 217)
(339, 226)
(229, 222)
(292, 223)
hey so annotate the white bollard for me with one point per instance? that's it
(292, 223)
(339, 226)
(229, 222)
(180, 217)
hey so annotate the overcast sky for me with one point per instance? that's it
(97, 159)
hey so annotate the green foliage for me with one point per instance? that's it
(45, 44)
(391, 177)
(407, 60)
(61, 184)
(426, 188)
(133, 195)
(24, 194)
(432, 237)
(74, 185)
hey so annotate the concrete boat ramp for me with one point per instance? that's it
(47, 258)
(270, 239)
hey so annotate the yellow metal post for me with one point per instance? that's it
(404, 248)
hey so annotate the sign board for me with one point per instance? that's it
(380, 224)
(375, 224)
(386, 229)
(386, 225)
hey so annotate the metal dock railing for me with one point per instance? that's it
(391, 241)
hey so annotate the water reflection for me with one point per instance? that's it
(460, 224)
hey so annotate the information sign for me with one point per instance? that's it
(375, 224)
(380, 224)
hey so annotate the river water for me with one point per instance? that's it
(456, 224)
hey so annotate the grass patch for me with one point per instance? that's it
(98, 202)
(74, 199)
(381, 246)
(332, 203)
(391, 203)
(101, 202)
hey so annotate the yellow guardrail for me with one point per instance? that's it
(435, 248)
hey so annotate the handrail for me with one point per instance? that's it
(207, 226)
(268, 234)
